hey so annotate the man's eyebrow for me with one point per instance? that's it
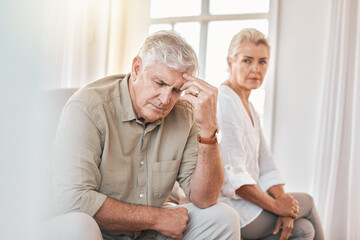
(162, 82)
(157, 78)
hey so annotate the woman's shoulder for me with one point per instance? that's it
(226, 94)
(226, 90)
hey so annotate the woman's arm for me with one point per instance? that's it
(280, 206)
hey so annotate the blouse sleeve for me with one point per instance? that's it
(269, 173)
(232, 147)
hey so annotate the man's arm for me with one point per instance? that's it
(207, 178)
(78, 133)
(117, 216)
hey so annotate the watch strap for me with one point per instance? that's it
(211, 140)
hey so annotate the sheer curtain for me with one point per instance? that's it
(85, 40)
(336, 181)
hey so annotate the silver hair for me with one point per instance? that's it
(170, 49)
(246, 35)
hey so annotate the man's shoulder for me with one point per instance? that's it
(183, 110)
(182, 105)
(101, 90)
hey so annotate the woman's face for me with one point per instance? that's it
(248, 68)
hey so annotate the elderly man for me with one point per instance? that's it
(124, 140)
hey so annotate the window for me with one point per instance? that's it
(209, 25)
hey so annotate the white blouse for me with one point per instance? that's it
(246, 156)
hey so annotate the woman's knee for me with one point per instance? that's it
(303, 197)
(303, 229)
(306, 202)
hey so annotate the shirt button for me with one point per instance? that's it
(142, 163)
(141, 195)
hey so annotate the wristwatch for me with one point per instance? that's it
(215, 139)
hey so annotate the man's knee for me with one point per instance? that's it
(84, 227)
(221, 213)
(218, 222)
(71, 226)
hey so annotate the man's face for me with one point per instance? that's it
(154, 91)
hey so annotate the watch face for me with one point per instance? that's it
(218, 135)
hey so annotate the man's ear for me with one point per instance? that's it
(136, 67)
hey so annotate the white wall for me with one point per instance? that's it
(301, 58)
(20, 29)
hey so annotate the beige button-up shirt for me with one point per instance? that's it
(102, 150)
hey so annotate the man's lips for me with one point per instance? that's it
(159, 109)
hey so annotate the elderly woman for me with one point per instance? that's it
(253, 185)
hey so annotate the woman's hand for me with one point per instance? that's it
(286, 206)
(286, 224)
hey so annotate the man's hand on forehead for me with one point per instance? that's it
(203, 97)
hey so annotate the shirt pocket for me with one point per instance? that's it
(164, 177)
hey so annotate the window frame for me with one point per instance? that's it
(205, 17)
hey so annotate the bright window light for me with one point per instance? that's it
(174, 8)
(191, 32)
(238, 6)
(157, 27)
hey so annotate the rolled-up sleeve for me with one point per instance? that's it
(269, 173)
(76, 160)
(232, 148)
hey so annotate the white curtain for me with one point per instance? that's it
(336, 182)
(85, 40)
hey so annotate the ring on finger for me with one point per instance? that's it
(196, 94)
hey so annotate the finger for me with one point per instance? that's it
(296, 203)
(277, 226)
(293, 215)
(191, 99)
(288, 233)
(285, 234)
(193, 81)
(193, 90)
(179, 237)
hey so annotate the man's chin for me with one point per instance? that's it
(154, 114)
(153, 117)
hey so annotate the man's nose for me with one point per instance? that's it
(165, 97)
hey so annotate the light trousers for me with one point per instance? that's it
(220, 222)
(306, 226)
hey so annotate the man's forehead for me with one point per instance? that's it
(176, 80)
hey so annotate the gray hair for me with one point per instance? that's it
(170, 49)
(246, 35)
